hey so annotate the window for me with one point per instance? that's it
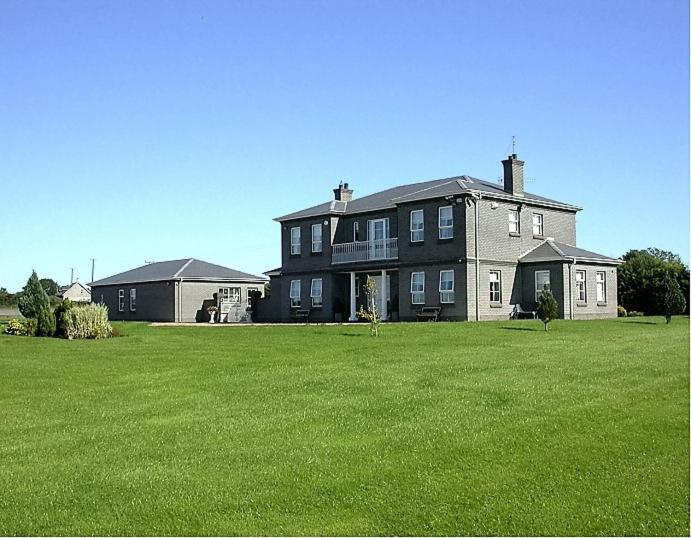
(580, 286)
(446, 287)
(249, 295)
(537, 224)
(356, 231)
(295, 294)
(316, 237)
(417, 288)
(445, 222)
(295, 241)
(234, 295)
(417, 225)
(121, 300)
(133, 300)
(357, 286)
(600, 287)
(541, 281)
(495, 287)
(316, 292)
(514, 222)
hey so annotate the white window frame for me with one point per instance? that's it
(295, 247)
(121, 300)
(581, 293)
(133, 299)
(417, 235)
(356, 231)
(539, 225)
(446, 295)
(514, 221)
(295, 297)
(417, 294)
(445, 230)
(495, 294)
(247, 292)
(317, 243)
(316, 298)
(601, 286)
(235, 295)
(549, 282)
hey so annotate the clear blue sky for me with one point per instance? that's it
(135, 131)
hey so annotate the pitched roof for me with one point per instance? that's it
(437, 188)
(187, 269)
(76, 283)
(550, 250)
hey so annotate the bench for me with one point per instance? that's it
(302, 315)
(518, 312)
(429, 313)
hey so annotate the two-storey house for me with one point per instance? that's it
(474, 248)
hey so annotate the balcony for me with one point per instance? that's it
(365, 251)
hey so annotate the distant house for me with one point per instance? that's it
(177, 290)
(75, 292)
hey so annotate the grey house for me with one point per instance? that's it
(474, 248)
(177, 290)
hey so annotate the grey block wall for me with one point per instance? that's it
(155, 301)
(196, 297)
(456, 311)
(591, 308)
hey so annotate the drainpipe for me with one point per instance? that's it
(476, 199)
(570, 291)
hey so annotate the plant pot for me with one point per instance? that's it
(212, 317)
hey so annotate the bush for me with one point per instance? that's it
(45, 322)
(634, 314)
(546, 307)
(18, 327)
(621, 312)
(672, 299)
(90, 321)
(60, 311)
(33, 297)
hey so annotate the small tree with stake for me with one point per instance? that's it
(672, 298)
(371, 313)
(546, 307)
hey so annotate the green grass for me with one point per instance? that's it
(435, 429)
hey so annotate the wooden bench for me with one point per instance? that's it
(518, 312)
(302, 315)
(429, 313)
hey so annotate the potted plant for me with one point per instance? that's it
(212, 313)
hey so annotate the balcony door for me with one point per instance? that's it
(377, 234)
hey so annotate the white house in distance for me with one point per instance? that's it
(75, 292)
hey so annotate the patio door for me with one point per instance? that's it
(377, 234)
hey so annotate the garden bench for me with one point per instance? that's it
(518, 312)
(302, 315)
(429, 313)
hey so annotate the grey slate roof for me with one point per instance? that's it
(187, 269)
(437, 188)
(551, 250)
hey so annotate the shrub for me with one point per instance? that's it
(33, 297)
(621, 312)
(60, 311)
(16, 327)
(672, 299)
(45, 322)
(546, 307)
(90, 321)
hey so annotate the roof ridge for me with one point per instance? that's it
(186, 264)
(450, 180)
(530, 250)
(555, 247)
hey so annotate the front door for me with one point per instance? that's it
(383, 286)
(377, 233)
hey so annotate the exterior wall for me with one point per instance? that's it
(344, 229)
(306, 260)
(77, 294)
(279, 303)
(558, 274)
(591, 309)
(195, 297)
(155, 301)
(456, 311)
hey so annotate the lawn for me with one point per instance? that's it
(434, 429)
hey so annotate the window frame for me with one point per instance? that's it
(447, 291)
(231, 295)
(541, 225)
(421, 292)
(447, 226)
(133, 299)
(603, 283)
(549, 282)
(295, 247)
(581, 287)
(420, 230)
(320, 303)
(320, 242)
(295, 300)
(498, 289)
(356, 231)
(247, 293)
(121, 300)
(517, 222)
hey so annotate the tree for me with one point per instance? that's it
(7, 298)
(33, 297)
(371, 314)
(672, 299)
(546, 307)
(49, 286)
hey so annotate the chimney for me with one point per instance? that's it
(513, 175)
(343, 193)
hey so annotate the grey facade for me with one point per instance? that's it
(475, 245)
(178, 291)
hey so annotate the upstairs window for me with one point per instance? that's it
(541, 282)
(295, 294)
(600, 287)
(133, 300)
(514, 222)
(417, 226)
(295, 241)
(580, 286)
(446, 294)
(537, 225)
(356, 231)
(121, 300)
(495, 287)
(417, 288)
(446, 222)
(316, 292)
(316, 237)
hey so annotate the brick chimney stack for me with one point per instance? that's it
(343, 193)
(513, 175)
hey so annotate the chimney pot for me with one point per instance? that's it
(343, 193)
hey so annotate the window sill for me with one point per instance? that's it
(416, 243)
(538, 236)
(514, 234)
(295, 255)
(581, 304)
(602, 303)
(320, 253)
(496, 305)
(447, 302)
(444, 239)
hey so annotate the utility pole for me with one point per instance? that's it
(93, 262)
(71, 275)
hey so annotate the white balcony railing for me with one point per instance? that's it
(364, 251)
